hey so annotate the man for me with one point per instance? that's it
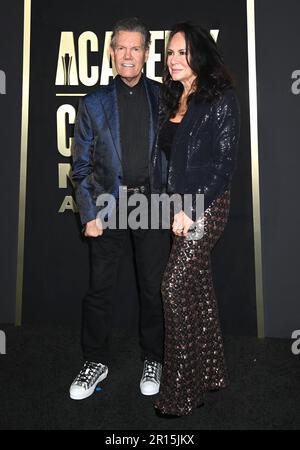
(114, 135)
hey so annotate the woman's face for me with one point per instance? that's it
(177, 60)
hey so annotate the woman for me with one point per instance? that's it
(194, 154)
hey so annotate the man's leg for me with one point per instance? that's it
(105, 253)
(152, 248)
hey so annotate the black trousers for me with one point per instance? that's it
(151, 250)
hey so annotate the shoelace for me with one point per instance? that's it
(89, 373)
(152, 371)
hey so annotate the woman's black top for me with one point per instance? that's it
(166, 137)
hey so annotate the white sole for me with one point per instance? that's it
(150, 393)
(147, 394)
(91, 390)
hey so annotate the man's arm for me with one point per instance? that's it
(82, 171)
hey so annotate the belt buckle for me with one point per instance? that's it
(132, 190)
(137, 190)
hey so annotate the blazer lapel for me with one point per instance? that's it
(153, 106)
(110, 106)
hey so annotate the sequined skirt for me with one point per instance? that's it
(193, 356)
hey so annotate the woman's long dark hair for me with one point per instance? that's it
(212, 76)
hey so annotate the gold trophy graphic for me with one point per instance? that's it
(67, 62)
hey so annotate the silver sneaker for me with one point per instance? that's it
(86, 381)
(150, 380)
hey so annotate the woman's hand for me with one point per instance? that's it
(181, 224)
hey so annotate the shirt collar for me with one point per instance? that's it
(128, 89)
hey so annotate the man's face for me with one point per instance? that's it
(129, 56)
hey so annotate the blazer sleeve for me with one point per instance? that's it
(226, 128)
(158, 166)
(82, 165)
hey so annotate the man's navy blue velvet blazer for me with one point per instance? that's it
(97, 150)
(203, 152)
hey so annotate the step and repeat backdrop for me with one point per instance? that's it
(278, 75)
(69, 58)
(11, 37)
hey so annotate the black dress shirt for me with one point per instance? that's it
(134, 132)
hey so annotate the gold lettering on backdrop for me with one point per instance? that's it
(87, 39)
(66, 72)
(106, 70)
(65, 116)
(68, 204)
(154, 57)
(64, 174)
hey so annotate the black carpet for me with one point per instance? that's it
(41, 362)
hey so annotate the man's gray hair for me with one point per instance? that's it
(131, 24)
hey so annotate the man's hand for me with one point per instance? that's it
(181, 224)
(93, 228)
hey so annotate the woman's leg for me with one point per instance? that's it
(194, 359)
